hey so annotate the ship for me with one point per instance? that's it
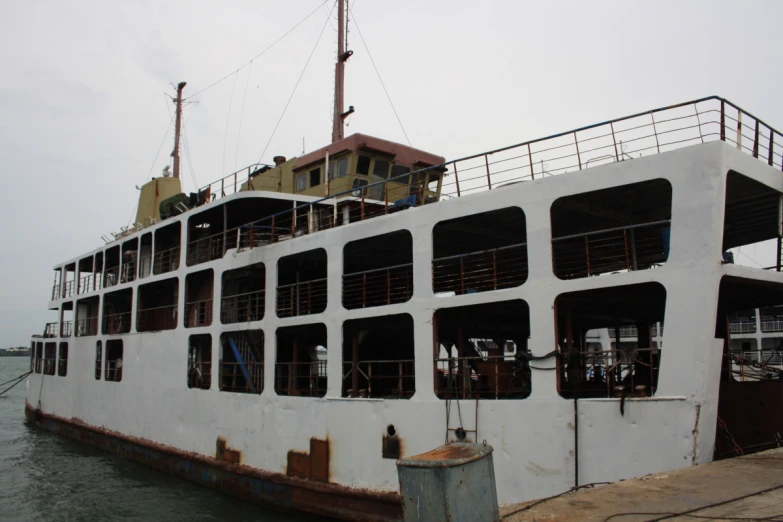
(288, 332)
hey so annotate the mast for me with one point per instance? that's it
(175, 152)
(339, 76)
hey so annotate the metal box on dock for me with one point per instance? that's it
(454, 483)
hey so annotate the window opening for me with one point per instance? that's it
(752, 217)
(479, 253)
(50, 358)
(87, 315)
(56, 286)
(315, 177)
(378, 357)
(751, 381)
(629, 369)
(342, 167)
(378, 270)
(69, 288)
(145, 255)
(32, 356)
(130, 251)
(87, 276)
(117, 309)
(301, 182)
(62, 363)
(242, 361)
(243, 294)
(66, 319)
(157, 308)
(198, 298)
(301, 284)
(363, 165)
(612, 230)
(98, 365)
(52, 328)
(483, 351)
(167, 249)
(114, 360)
(38, 357)
(300, 367)
(381, 169)
(200, 361)
(111, 274)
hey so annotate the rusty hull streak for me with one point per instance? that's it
(392, 447)
(272, 489)
(695, 434)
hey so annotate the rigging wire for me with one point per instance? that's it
(262, 52)
(188, 154)
(242, 114)
(297, 84)
(157, 154)
(228, 117)
(358, 30)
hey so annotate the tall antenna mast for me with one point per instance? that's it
(175, 152)
(339, 76)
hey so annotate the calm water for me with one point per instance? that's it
(47, 477)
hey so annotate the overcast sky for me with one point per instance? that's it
(83, 112)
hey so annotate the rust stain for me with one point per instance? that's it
(450, 452)
(310, 466)
(695, 434)
(226, 454)
(392, 447)
(265, 487)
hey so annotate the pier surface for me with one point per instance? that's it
(742, 488)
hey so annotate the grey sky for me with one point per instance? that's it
(82, 109)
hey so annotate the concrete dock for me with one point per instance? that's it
(742, 488)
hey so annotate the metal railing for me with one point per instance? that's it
(55, 291)
(742, 326)
(232, 183)
(51, 329)
(111, 276)
(66, 328)
(165, 261)
(198, 313)
(240, 308)
(392, 379)
(62, 367)
(87, 326)
(116, 323)
(304, 298)
(50, 364)
(775, 325)
(156, 318)
(232, 377)
(208, 248)
(625, 331)
(378, 287)
(113, 370)
(633, 247)
(68, 288)
(481, 271)
(491, 377)
(302, 379)
(128, 272)
(622, 139)
(610, 373)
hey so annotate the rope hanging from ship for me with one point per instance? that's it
(15, 380)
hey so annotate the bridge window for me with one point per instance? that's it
(157, 308)
(98, 358)
(378, 357)
(301, 182)
(315, 177)
(62, 362)
(200, 361)
(117, 309)
(378, 270)
(243, 294)
(612, 230)
(38, 357)
(242, 361)
(198, 298)
(167, 249)
(752, 217)
(483, 351)
(481, 252)
(301, 284)
(114, 360)
(363, 165)
(300, 369)
(626, 370)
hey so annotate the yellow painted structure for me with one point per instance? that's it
(152, 193)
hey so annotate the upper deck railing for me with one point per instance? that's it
(622, 139)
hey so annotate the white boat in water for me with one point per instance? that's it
(288, 332)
